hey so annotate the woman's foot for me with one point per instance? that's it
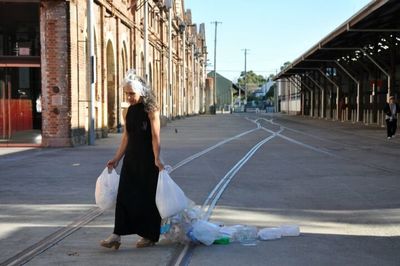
(113, 241)
(143, 243)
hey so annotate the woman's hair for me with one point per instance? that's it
(150, 101)
(140, 86)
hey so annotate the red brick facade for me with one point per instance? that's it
(119, 45)
(56, 90)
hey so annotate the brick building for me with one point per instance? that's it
(44, 55)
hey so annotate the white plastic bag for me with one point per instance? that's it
(107, 189)
(170, 198)
(205, 232)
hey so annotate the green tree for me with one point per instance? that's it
(285, 65)
(251, 79)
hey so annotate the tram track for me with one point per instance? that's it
(319, 150)
(182, 255)
(209, 204)
(49, 241)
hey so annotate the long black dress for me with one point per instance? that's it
(136, 211)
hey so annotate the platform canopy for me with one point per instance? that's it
(370, 32)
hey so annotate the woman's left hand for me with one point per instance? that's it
(159, 164)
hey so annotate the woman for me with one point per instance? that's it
(391, 109)
(136, 211)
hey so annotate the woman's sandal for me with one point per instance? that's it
(143, 243)
(113, 241)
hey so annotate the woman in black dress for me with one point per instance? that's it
(136, 211)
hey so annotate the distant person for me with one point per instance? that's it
(136, 210)
(391, 109)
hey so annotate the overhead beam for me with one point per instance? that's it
(374, 30)
(383, 71)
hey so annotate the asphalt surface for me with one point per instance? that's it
(338, 181)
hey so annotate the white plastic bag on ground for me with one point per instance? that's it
(269, 233)
(107, 189)
(170, 198)
(205, 232)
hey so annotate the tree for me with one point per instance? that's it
(252, 80)
(285, 65)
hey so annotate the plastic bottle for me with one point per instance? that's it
(222, 241)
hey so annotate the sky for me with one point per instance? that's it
(273, 31)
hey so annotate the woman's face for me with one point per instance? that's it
(131, 96)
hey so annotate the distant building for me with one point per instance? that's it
(263, 90)
(225, 91)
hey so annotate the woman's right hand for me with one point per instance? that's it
(113, 163)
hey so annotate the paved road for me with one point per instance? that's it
(338, 181)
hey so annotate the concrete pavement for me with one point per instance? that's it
(338, 181)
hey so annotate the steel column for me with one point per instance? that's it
(322, 96)
(358, 88)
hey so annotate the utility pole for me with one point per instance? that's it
(245, 75)
(215, 65)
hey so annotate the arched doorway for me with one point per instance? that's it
(111, 93)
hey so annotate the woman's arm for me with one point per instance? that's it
(113, 163)
(154, 118)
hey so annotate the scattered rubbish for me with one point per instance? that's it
(222, 241)
(246, 235)
(183, 221)
(269, 233)
(205, 232)
(165, 228)
(290, 230)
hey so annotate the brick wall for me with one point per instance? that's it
(56, 100)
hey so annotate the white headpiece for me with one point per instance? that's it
(133, 80)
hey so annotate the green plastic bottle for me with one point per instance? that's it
(222, 241)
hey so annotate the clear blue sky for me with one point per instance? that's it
(274, 31)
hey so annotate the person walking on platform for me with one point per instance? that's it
(391, 109)
(136, 211)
